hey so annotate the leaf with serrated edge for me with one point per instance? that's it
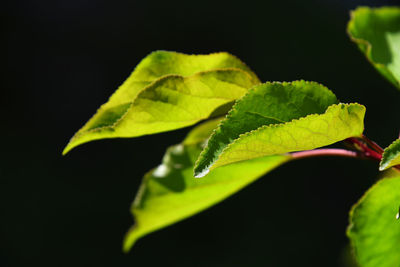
(169, 193)
(167, 91)
(391, 156)
(374, 230)
(266, 104)
(376, 31)
(337, 123)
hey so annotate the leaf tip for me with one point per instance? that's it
(66, 149)
(71, 145)
(130, 239)
(382, 167)
(201, 173)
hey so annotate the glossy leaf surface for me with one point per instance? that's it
(376, 31)
(274, 118)
(391, 156)
(167, 91)
(170, 193)
(374, 228)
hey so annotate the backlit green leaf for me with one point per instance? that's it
(377, 33)
(374, 228)
(391, 156)
(167, 91)
(264, 122)
(170, 193)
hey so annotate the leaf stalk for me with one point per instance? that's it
(323, 152)
(365, 149)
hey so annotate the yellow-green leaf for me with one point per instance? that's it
(376, 31)
(374, 228)
(167, 91)
(275, 118)
(170, 193)
(391, 156)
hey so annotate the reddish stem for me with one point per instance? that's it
(368, 152)
(327, 152)
(364, 151)
(372, 144)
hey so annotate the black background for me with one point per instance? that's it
(63, 59)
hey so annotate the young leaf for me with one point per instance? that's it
(391, 156)
(374, 228)
(266, 104)
(264, 123)
(167, 91)
(169, 193)
(376, 31)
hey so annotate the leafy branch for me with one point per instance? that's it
(247, 129)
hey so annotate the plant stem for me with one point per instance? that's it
(372, 144)
(367, 149)
(363, 147)
(327, 152)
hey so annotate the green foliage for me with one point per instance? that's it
(391, 156)
(169, 193)
(265, 104)
(167, 91)
(374, 228)
(265, 127)
(282, 133)
(376, 31)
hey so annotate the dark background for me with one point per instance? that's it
(63, 59)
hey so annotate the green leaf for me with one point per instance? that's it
(264, 122)
(336, 124)
(374, 230)
(167, 91)
(201, 132)
(376, 31)
(170, 193)
(391, 156)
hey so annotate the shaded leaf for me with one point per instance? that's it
(167, 91)
(264, 123)
(170, 193)
(376, 31)
(374, 230)
(391, 156)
